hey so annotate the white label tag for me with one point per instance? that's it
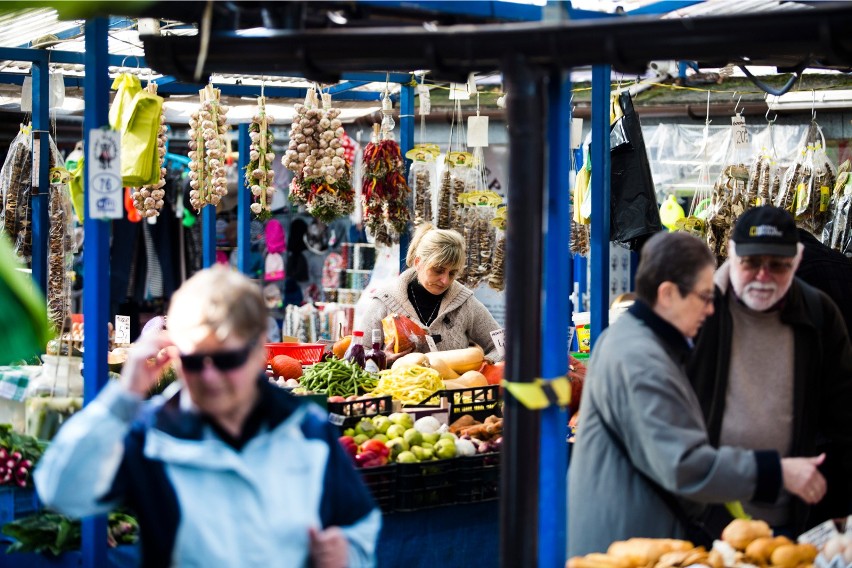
(498, 336)
(576, 133)
(477, 131)
(848, 531)
(36, 146)
(425, 99)
(471, 84)
(738, 128)
(458, 92)
(430, 341)
(103, 172)
(122, 330)
(819, 535)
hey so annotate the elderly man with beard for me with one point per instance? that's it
(772, 366)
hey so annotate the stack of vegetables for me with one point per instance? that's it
(315, 154)
(385, 191)
(18, 455)
(259, 172)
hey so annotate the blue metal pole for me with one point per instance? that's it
(600, 200)
(406, 143)
(41, 192)
(555, 322)
(243, 202)
(208, 236)
(95, 265)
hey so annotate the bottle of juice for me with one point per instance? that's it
(376, 359)
(355, 353)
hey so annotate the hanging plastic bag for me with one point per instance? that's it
(618, 137)
(634, 215)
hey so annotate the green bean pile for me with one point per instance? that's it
(337, 378)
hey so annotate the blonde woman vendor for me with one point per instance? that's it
(428, 294)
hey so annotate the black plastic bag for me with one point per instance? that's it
(634, 213)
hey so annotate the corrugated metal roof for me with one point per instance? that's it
(22, 27)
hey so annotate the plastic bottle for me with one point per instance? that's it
(355, 353)
(376, 359)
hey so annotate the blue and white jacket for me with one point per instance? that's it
(200, 501)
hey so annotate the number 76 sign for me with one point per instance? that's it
(104, 191)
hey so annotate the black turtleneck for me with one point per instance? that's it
(425, 302)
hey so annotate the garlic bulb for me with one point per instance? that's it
(148, 200)
(208, 127)
(259, 170)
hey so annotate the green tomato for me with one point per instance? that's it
(382, 424)
(380, 437)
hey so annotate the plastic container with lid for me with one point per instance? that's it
(583, 330)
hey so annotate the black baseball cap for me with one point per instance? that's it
(766, 230)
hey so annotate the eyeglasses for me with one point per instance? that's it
(755, 263)
(222, 360)
(705, 297)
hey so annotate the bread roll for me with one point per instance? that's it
(740, 533)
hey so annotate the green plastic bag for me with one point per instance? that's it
(75, 186)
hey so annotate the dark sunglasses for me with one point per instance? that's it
(222, 360)
(755, 263)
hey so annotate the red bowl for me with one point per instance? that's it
(306, 353)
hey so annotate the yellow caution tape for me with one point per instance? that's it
(534, 395)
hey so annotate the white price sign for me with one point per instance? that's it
(738, 127)
(819, 535)
(477, 131)
(499, 338)
(122, 330)
(103, 172)
(425, 99)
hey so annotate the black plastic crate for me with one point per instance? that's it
(425, 484)
(478, 478)
(347, 414)
(479, 402)
(381, 481)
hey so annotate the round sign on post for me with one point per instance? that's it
(103, 172)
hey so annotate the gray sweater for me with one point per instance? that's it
(461, 319)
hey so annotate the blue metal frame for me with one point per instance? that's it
(244, 200)
(95, 265)
(208, 236)
(40, 219)
(555, 321)
(601, 77)
(488, 10)
(406, 143)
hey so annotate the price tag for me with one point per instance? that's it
(498, 336)
(122, 330)
(576, 133)
(459, 92)
(425, 99)
(819, 535)
(103, 171)
(477, 131)
(738, 127)
(36, 149)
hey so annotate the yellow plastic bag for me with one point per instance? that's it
(127, 86)
(75, 186)
(140, 161)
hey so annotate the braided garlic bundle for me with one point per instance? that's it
(259, 172)
(332, 165)
(149, 199)
(303, 148)
(207, 145)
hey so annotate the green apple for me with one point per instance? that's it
(395, 431)
(449, 436)
(380, 437)
(382, 423)
(413, 437)
(418, 452)
(360, 438)
(431, 437)
(365, 427)
(428, 454)
(406, 457)
(445, 449)
(403, 419)
(427, 446)
(396, 447)
(349, 432)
